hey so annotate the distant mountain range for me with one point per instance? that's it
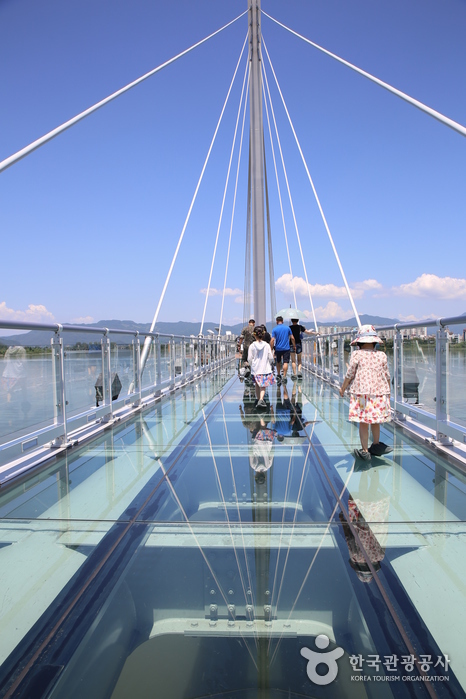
(38, 338)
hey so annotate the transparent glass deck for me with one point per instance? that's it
(204, 549)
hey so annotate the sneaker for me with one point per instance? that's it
(284, 379)
(380, 449)
(300, 376)
(293, 377)
(360, 454)
(279, 380)
(261, 404)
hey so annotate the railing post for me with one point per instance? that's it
(326, 362)
(184, 368)
(59, 393)
(107, 378)
(172, 360)
(192, 351)
(398, 372)
(203, 354)
(158, 367)
(441, 376)
(341, 359)
(311, 358)
(137, 371)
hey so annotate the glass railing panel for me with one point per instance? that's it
(122, 365)
(189, 357)
(179, 366)
(149, 375)
(165, 363)
(419, 373)
(457, 382)
(26, 386)
(83, 371)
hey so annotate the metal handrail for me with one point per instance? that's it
(324, 357)
(206, 354)
(59, 328)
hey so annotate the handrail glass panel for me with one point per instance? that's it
(26, 386)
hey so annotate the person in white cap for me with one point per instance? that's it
(369, 381)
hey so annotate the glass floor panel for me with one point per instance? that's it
(204, 549)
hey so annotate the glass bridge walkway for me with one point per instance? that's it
(202, 549)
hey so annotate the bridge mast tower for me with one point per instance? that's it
(256, 150)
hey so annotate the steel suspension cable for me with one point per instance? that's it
(148, 340)
(12, 159)
(416, 103)
(234, 202)
(319, 340)
(348, 291)
(224, 197)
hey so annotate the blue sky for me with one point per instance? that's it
(89, 222)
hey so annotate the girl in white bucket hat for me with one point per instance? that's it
(369, 381)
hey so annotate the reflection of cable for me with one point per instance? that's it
(252, 602)
(298, 497)
(311, 565)
(181, 508)
(283, 525)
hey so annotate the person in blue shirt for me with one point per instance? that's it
(280, 342)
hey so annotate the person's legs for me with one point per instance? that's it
(364, 435)
(375, 428)
(262, 393)
(293, 363)
(299, 351)
(258, 390)
(286, 360)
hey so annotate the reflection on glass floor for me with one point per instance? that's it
(206, 549)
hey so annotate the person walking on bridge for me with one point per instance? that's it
(369, 381)
(260, 358)
(281, 338)
(247, 338)
(298, 331)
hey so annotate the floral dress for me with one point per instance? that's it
(369, 387)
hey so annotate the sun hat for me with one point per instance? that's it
(367, 334)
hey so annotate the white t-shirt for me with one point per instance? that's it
(260, 357)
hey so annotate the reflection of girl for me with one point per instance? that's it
(369, 378)
(260, 359)
(367, 510)
(261, 450)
